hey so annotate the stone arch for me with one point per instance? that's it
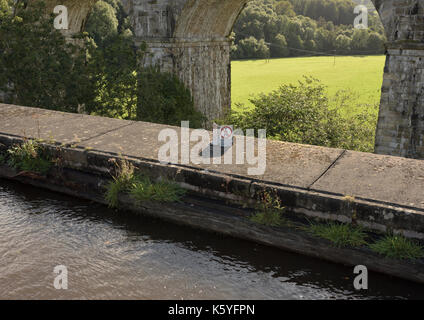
(78, 11)
(203, 19)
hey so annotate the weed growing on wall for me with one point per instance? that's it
(139, 187)
(341, 235)
(398, 247)
(268, 211)
(122, 180)
(143, 190)
(29, 156)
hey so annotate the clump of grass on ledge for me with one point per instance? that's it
(143, 190)
(29, 156)
(122, 181)
(341, 235)
(398, 247)
(140, 188)
(269, 211)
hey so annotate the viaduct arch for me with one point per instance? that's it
(191, 38)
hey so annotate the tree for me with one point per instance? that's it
(307, 26)
(37, 66)
(163, 98)
(113, 63)
(279, 47)
(376, 42)
(102, 22)
(343, 43)
(252, 48)
(285, 8)
(113, 70)
(360, 40)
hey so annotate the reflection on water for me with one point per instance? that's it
(119, 256)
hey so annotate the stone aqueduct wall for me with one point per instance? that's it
(190, 38)
(400, 129)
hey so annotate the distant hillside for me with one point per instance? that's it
(288, 28)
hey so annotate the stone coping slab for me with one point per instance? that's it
(67, 128)
(371, 176)
(287, 163)
(393, 180)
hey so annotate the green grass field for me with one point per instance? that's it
(361, 74)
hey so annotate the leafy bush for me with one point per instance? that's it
(304, 114)
(163, 98)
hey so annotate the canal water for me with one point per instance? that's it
(112, 255)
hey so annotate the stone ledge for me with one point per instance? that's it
(311, 181)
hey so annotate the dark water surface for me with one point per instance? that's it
(118, 256)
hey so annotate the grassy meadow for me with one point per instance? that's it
(362, 75)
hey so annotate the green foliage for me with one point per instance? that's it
(122, 181)
(398, 247)
(251, 48)
(124, 91)
(29, 156)
(98, 74)
(341, 235)
(113, 62)
(306, 25)
(37, 66)
(140, 188)
(304, 114)
(113, 71)
(102, 22)
(269, 211)
(163, 98)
